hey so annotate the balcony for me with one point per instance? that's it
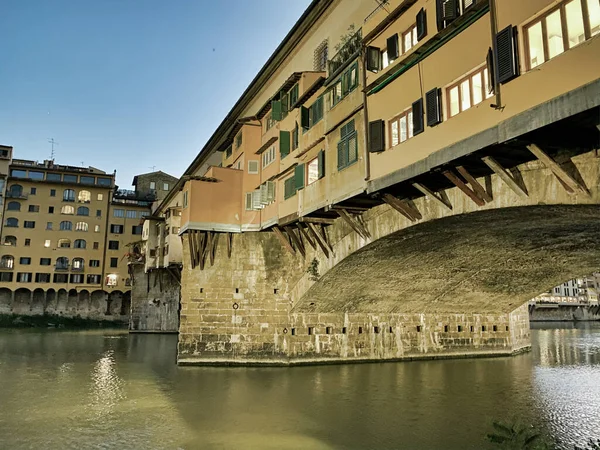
(61, 267)
(7, 266)
(347, 52)
(17, 195)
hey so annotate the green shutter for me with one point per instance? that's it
(284, 106)
(276, 110)
(299, 176)
(304, 118)
(284, 143)
(321, 163)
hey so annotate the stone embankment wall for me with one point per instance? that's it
(564, 313)
(154, 301)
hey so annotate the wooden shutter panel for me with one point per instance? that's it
(507, 65)
(263, 194)
(276, 110)
(299, 176)
(270, 191)
(439, 14)
(373, 59)
(450, 10)
(490, 71)
(433, 98)
(304, 117)
(248, 201)
(321, 163)
(256, 200)
(421, 24)
(341, 155)
(417, 110)
(284, 143)
(376, 136)
(393, 50)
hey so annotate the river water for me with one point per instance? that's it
(107, 389)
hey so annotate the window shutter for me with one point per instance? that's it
(304, 118)
(284, 143)
(373, 59)
(270, 191)
(248, 201)
(263, 194)
(256, 200)
(276, 110)
(417, 110)
(490, 71)
(299, 176)
(439, 14)
(321, 163)
(507, 65)
(433, 99)
(376, 136)
(253, 167)
(421, 24)
(341, 159)
(393, 50)
(450, 10)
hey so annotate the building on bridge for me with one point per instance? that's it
(66, 231)
(386, 180)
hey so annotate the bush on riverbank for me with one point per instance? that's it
(53, 321)
(514, 436)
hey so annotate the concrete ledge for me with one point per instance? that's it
(255, 362)
(152, 332)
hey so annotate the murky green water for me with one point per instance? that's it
(106, 389)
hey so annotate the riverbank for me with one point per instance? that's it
(54, 321)
(552, 312)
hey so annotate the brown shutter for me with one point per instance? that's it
(373, 59)
(433, 99)
(507, 64)
(421, 24)
(376, 136)
(417, 111)
(393, 49)
(439, 14)
(491, 79)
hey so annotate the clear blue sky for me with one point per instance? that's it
(129, 84)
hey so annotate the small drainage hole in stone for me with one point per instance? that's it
(310, 330)
(237, 290)
(376, 330)
(328, 330)
(391, 330)
(445, 328)
(472, 329)
(506, 327)
(418, 328)
(343, 330)
(495, 328)
(293, 332)
(359, 330)
(275, 291)
(201, 290)
(460, 328)
(482, 327)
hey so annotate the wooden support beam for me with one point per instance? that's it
(323, 232)
(206, 239)
(213, 250)
(505, 176)
(319, 239)
(229, 244)
(475, 185)
(284, 241)
(349, 208)
(191, 242)
(316, 220)
(438, 198)
(570, 183)
(306, 236)
(296, 240)
(463, 187)
(402, 207)
(355, 225)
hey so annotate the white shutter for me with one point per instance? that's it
(270, 191)
(248, 201)
(256, 200)
(263, 194)
(253, 167)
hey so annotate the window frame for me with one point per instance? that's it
(409, 134)
(469, 76)
(315, 161)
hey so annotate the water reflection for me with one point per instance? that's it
(110, 390)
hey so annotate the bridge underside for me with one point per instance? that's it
(492, 261)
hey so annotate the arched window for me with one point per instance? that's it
(65, 225)
(62, 263)
(16, 190)
(81, 226)
(84, 196)
(10, 240)
(79, 243)
(67, 209)
(13, 206)
(77, 264)
(69, 195)
(64, 243)
(12, 222)
(7, 262)
(83, 211)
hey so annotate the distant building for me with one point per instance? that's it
(156, 183)
(577, 290)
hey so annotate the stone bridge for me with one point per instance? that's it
(443, 275)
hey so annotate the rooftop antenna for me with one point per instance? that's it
(53, 143)
(152, 167)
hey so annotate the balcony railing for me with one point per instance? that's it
(348, 50)
(19, 195)
(7, 266)
(61, 267)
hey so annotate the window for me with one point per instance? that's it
(289, 187)
(29, 224)
(100, 196)
(33, 190)
(131, 214)
(16, 190)
(295, 137)
(136, 229)
(78, 264)
(94, 263)
(84, 196)
(68, 195)
(175, 230)
(401, 127)
(13, 206)
(409, 39)
(45, 261)
(116, 229)
(293, 94)
(96, 228)
(10, 240)
(114, 262)
(7, 262)
(269, 122)
(113, 245)
(119, 213)
(65, 225)
(60, 278)
(67, 209)
(25, 260)
(64, 243)
(70, 178)
(561, 28)
(93, 279)
(347, 146)
(48, 225)
(111, 280)
(347, 82)
(34, 208)
(165, 186)
(238, 141)
(320, 57)
(103, 182)
(185, 199)
(53, 192)
(24, 277)
(79, 243)
(27, 242)
(98, 213)
(76, 278)
(252, 167)
(83, 211)
(47, 243)
(468, 92)
(152, 185)
(96, 245)
(62, 263)
(312, 172)
(11, 222)
(42, 278)
(268, 156)
(87, 180)
(81, 226)
(6, 276)
(315, 113)
(53, 177)
(50, 209)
